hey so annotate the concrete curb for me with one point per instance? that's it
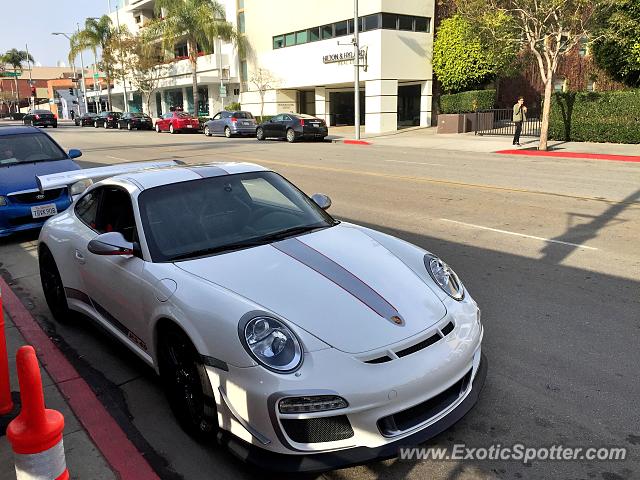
(583, 156)
(123, 457)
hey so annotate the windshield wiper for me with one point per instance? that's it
(219, 249)
(290, 232)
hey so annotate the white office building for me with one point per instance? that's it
(304, 53)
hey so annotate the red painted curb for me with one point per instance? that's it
(588, 156)
(356, 142)
(123, 457)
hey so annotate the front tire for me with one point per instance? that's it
(291, 135)
(171, 130)
(186, 384)
(52, 286)
(260, 134)
(207, 132)
(129, 127)
(95, 124)
(157, 128)
(106, 125)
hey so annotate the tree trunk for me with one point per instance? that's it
(193, 58)
(109, 91)
(546, 113)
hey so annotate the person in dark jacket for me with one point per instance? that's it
(519, 116)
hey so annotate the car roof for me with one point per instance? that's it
(17, 130)
(156, 177)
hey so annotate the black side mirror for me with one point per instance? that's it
(322, 200)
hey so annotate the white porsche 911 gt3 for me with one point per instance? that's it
(300, 342)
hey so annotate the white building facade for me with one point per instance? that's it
(302, 47)
(304, 50)
(221, 67)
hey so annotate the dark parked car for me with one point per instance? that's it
(293, 126)
(230, 124)
(26, 152)
(135, 121)
(85, 120)
(107, 119)
(40, 118)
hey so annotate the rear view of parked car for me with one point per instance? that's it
(40, 118)
(292, 127)
(107, 120)
(174, 122)
(135, 121)
(230, 124)
(85, 120)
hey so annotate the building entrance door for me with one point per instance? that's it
(342, 108)
(409, 106)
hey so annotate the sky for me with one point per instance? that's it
(32, 21)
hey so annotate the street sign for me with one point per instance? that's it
(223, 91)
(10, 74)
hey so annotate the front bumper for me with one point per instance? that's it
(320, 462)
(17, 217)
(407, 389)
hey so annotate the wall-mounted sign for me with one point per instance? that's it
(347, 57)
(223, 91)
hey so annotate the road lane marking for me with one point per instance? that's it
(427, 180)
(506, 232)
(118, 158)
(414, 163)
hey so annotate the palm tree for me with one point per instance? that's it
(199, 22)
(16, 58)
(97, 33)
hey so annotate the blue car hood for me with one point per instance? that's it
(22, 176)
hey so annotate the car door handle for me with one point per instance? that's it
(79, 257)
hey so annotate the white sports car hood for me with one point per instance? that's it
(339, 284)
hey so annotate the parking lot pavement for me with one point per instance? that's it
(548, 249)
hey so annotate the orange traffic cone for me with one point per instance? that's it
(36, 433)
(6, 404)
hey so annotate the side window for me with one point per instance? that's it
(116, 213)
(286, 118)
(278, 118)
(87, 207)
(217, 116)
(225, 114)
(168, 115)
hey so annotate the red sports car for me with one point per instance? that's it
(174, 122)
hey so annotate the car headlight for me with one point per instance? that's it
(444, 276)
(80, 186)
(272, 344)
(3, 201)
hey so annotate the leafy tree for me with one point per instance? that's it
(141, 64)
(199, 22)
(549, 29)
(463, 59)
(617, 46)
(16, 58)
(98, 33)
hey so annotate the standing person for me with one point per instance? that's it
(519, 116)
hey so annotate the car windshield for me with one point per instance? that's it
(220, 214)
(28, 147)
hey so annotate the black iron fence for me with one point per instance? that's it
(499, 121)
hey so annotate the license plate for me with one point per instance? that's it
(246, 123)
(189, 126)
(315, 125)
(44, 210)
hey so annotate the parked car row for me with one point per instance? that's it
(288, 126)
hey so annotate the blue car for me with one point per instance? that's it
(24, 153)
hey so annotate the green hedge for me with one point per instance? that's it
(465, 102)
(233, 106)
(596, 117)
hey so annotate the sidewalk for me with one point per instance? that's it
(427, 138)
(84, 461)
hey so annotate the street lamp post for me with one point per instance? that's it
(356, 47)
(124, 81)
(73, 64)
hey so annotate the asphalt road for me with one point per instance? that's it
(548, 247)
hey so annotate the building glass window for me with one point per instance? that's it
(583, 47)
(302, 37)
(240, 4)
(244, 71)
(278, 42)
(558, 84)
(289, 39)
(371, 22)
(405, 22)
(327, 32)
(342, 29)
(390, 21)
(314, 34)
(241, 25)
(423, 24)
(181, 50)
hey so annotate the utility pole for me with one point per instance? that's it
(32, 102)
(356, 47)
(124, 80)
